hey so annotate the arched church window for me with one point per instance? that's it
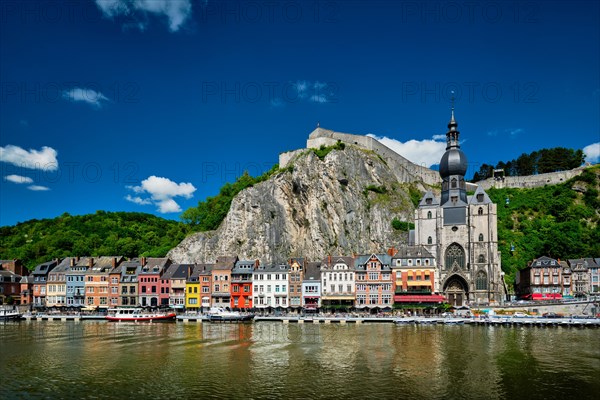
(481, 258)
(429, 214)
(480, 211)
(481, 237)
(481, 281)
(429, 240)
(453, 183)
(455, 254)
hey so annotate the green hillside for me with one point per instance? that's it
(560, 221)
(103, 233)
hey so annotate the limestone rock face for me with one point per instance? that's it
(343, 204)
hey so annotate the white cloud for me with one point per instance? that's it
(44, 159)
(88, 96)
(137, 200)
(514, 132)
(38, 188)
(168, 206)
(312, 92)
(592, 153)
(162, 191)
(176, 11)
(425, 152)
(18, 179)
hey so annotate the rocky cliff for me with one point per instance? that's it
(341, 204)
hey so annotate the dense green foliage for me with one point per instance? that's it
(375, 189)
(209, 213)
(101, 234)
(538, 162)
(402, 225)
(322, 151)
(554, 221)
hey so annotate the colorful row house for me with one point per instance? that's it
(241, 284)
(374, 286)
(12, 274)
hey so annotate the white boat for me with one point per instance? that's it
(136, 314)
(219, 314)
(6, 315)
(454, 321)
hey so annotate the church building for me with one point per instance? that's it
(461, 232)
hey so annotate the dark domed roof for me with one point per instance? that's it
(453, 162)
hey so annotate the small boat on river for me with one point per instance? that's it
(131, 314)
(219, 314)
(9, 315)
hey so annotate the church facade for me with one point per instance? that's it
(461, 232)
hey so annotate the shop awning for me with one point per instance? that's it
(411, 298)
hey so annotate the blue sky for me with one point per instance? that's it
(152, 105)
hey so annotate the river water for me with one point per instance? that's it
(269, 360)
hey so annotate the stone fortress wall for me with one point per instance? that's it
(530, 181)
(405, 170)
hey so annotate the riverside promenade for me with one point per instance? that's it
(579, 322)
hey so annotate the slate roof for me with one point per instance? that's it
(361, 261)
(473, 199)
(412, 252)
(243, 267)
(155, 266)
(434, 200)
(225, 262)
(177, 271)
(313, 271)
(44, 268)
(349, 261)
(270, 269)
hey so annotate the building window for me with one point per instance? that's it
(480, 198)
(453, 183)
(481, 281)
(481, 237)
(429, 240)
(481, 258)
(428, 214)
(455, 254)
(480, 211)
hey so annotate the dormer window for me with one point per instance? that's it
(428, 201)
(480, 197)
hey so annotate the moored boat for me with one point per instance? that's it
(7, 315)
(219, 314)
(130, 314)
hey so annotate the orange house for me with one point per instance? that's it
(97, 283)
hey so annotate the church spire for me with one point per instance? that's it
(453, 133)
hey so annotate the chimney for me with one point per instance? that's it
(114, 262)
(90, 262)
(143, 261)
(391, 251)
(329, 259)
(256, 263)
(72, 261)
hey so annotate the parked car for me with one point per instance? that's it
(551, 315)
(520, 315)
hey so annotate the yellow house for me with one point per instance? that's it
(192, 290)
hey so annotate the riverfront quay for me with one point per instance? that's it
(269, 360)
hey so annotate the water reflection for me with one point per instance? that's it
(274, 360)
